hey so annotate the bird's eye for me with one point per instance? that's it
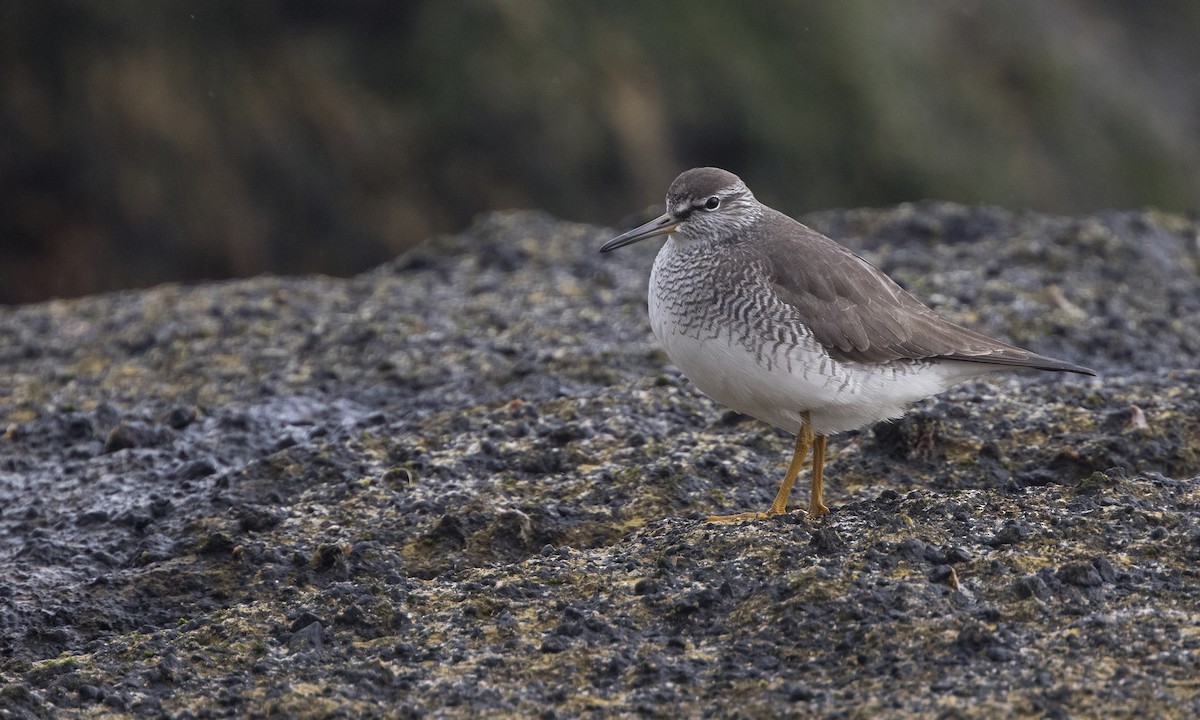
(713, 203)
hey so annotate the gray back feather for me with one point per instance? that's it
(859, 314)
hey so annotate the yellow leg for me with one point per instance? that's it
(816, 508)
(804, 440)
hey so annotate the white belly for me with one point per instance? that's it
(778, 385)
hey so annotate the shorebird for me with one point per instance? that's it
(777, 321)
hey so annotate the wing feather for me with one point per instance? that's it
(859, 314)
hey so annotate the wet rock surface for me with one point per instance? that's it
(469, 482)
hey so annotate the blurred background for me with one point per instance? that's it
(143, 142)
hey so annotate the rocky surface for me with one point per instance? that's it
(469, 482)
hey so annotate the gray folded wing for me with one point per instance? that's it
(859, 314)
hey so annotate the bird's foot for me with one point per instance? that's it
(746, 516)
(737, 517)
(817, 509)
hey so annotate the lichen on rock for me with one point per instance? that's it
(468, 483)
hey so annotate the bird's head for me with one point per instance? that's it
(705, 203)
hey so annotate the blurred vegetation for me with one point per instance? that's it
(151, 141)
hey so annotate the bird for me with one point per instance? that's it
(779, 322)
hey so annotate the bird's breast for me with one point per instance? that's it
(723, 326)
(697, 300)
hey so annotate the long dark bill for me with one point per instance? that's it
(661, 225)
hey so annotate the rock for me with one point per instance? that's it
(197, 469)
(310, 638)
(477, 484)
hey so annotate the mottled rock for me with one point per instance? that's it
(469, 483)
